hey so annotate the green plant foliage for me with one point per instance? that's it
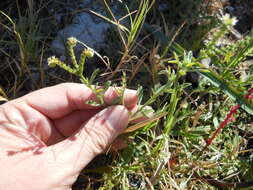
(159, 45)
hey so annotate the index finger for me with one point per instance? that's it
(58, 101)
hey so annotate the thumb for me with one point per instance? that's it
(92, 138)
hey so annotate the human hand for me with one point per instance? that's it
(50, 135)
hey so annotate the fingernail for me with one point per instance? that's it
(110, 96)
(130, 98)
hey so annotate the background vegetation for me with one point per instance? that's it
(193, 63)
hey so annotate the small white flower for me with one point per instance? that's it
(52, 61)
(228, 20)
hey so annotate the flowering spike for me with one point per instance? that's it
(71, 43)
(53, 61)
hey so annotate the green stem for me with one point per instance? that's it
(93, 89)
(73, 57)
(81, 63)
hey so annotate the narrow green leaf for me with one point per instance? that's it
(227, 88)
(93, 76)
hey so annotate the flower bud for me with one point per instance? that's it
(72, 41)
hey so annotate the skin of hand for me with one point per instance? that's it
(50, 135)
